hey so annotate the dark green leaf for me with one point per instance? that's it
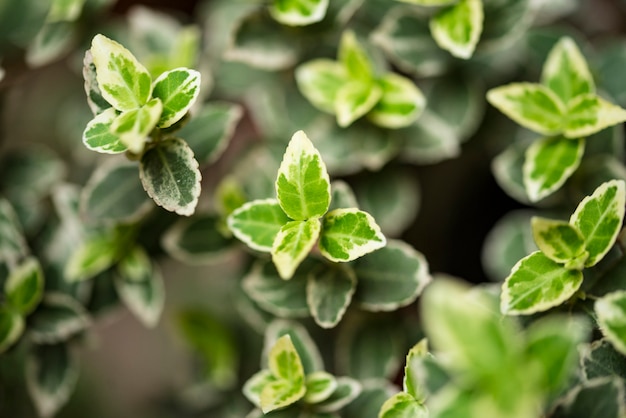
(58, 318)
(329, 293)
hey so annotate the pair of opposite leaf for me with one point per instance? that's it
(133, 113)
(550, 276)
(564, 108)
(349, 88)
(457, 26)
(288, 227)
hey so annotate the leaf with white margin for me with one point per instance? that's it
(96, 102)
(413, 381)
(309, 353)
(548, 163)
(402, 405)
(133, 126)
(537, 284)
(346, 391)
(98, 135)
(354, 58)
(611, 315)
(457, 28)
(302, 184)
(24, 286)
(588, 114)
(91, 257)
(292, 244)
(560, 241)
(140, 286)
(401, 102)
(11, 327)
(391, 277)
(329, 294)
(169, 173)
(319, 386)
(533, 106)
(178, 90)
(57, 318)
(285, 365)
(599, 219)
(348, 234)
(257, 223)
(320, 80)
(565, 71)
(123, 81)
(298, 12)
(254, 386)
(354, 99)
(51, 375)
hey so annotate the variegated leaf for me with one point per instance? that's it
(457, 28)
(132, 127)
(178, 90)
(98, 135)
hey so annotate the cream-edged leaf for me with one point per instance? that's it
(257, 223)
(329, 294)
(588, 114)
(298, 12)
(178, 90)
(560, 241)
(320, 80)
(457, 28)
(98, 135)
(611, 315)
(285, 365)
(319, 386)
(292, 244)
(355, 99)
(402, 405)
(401, 102)
(132, 127)
(354, 58)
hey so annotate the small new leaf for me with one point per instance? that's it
(548, 163)
(320, 80)
(303, 185)
(355, 99)
(400, 105)
(99, 136)
(93, 256)
(292, 244)
(560, 241)
(170, 175)
(402, 405)
(348, 234)
(285, 365)
(123, 81)
(611, 314)
(11, 327)
(178, 90)
(588, 114)
(319, 386)
(457, 28)
(254, 386)
(413, 382)
(354, 58)
(533, 106)
(537, 284)
(132, 127)
(298, 12)
(599, 219)
(257, 223)
(24, 286)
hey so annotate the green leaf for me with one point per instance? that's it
(114, 193)
(170, 175)
(319, 386)
(284, 363)
(599, 219)
(140, 286)
(24, 286)
(354, 99)
(354, 58)
(346, 391)
(560, 242)
(402, 405)
(348, 234)
(214, 341)
(11, 327)
(537, 284)
(298, 12)
(531, 105)
(553, 343)
(565, 71)
(588, 114)
(123, 81)
(285, 299)
(132, 127)
(51, 375)
(457, 28)
(292, 244)
(91, 257)
(99, 136)
(329, 294)
(178, 90)
(600, 359)
(58, 318)
(413, 381)
(64, 10)
(257, 223)
(611, 315)
(307, 350)
(303, 185)
(598, 398)
(197, 240)
(320, 80)
(401, 102)
(96, 102)
(391, 277)
(255, 384)
(549, 162)
(210, 130)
